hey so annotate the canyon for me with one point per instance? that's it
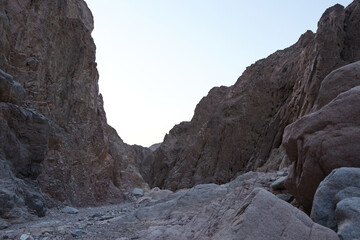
(251, 164)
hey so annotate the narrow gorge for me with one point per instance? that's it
(274, 156)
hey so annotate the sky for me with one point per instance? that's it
(158, 58)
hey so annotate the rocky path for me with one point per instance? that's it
(88, 223)
(206, 211)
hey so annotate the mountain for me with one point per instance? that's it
(240, 128)
(55, 144)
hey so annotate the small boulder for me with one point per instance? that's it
(138, 192)
(26, 237)
(279, 184)
(77, 233)
(70, 210)
(157, 194)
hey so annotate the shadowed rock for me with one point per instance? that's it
(322, 141)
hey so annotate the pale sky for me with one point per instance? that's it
(158, 58)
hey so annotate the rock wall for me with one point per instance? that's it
(238, 128)
(51, 105)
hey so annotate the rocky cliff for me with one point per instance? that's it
(240, 128)
(55, 144)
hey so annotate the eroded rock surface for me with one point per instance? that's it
(323, 141)
(238, 128)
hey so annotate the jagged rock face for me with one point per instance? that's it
(238, 128)
(46, 47)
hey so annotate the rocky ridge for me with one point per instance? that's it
(239, 128)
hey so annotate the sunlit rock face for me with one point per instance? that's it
(238, 128)
(47, 52)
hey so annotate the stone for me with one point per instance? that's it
(279, 184)
(340, 184)
(157, 194)
(138, 192)
(70, 210)
(322, 141)
(238, 128)
(348, 218)
(286, 197)
(3, 224)
(26, 237)
(10, 91)
(77, 233)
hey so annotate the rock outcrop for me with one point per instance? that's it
(323, 141)
(238, 128)
(237, 210)
(55, 142)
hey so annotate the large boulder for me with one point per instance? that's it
(338, 81)
(322, 141)
(210, 212)
(332, 202)
(263, 216)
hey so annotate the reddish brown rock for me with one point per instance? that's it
(322, 141)
(46, 47)
(238, 128)
(338, 81)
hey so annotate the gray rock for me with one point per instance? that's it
(347, 192)
(26, 237)
(279, 184)
(281, 221)
(285, 197)
(348, 218)
(77, 233)
(3, 224)
(138, 192)
(10, 91)
(341, 184)
(70, 210)
(157, 194)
